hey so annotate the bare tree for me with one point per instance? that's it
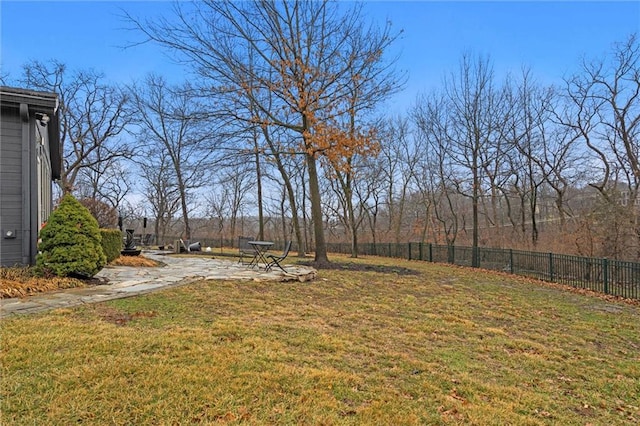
(522, 136)
(604, 114)
(475, 114)
(235, 184)
(564, 165)
(104, 213)
(160, 190)
(93, 115)
(343, 186)
(107, 181)
(172, 124)
(276, 151)
(370, 189)
(397, 158)
(436, 174)
(543, 159)
(276, 146)
(216, 210)
(345, 171)
(305, 52)
(5, 78)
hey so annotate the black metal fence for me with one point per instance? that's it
(614, 277)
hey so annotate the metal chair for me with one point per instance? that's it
(274, 260)
(245, 248)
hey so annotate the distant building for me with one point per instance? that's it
(30, 160)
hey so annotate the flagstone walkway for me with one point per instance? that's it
(126, 281)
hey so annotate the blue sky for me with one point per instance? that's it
(550, 37)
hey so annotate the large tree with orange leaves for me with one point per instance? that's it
(298, 65)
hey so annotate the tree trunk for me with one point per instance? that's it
(352, 222)
(259, 185)
(476, 194)
(316, 211)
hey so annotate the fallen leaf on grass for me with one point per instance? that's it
(454, 394)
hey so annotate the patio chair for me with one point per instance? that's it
(245, 248)
(274, 260)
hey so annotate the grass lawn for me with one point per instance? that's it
(425, 344)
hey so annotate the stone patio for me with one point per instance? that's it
(127, 281)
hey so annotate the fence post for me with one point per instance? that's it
(551, 277)
(511, 266)
(605, 275)
(409, 250)
(430, 252)
(420, 250)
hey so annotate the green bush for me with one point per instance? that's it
(71, 241)
(111, 243)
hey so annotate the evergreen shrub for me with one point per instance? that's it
(71, 243)
(111, 243)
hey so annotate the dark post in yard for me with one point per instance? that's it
(129, 246)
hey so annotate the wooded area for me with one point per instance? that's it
(280, 132)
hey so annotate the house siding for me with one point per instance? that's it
(11, 187)
(29, 160)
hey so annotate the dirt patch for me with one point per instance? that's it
(120, 318)
(351, 266)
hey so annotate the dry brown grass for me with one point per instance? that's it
(22, 281)
(437, 346)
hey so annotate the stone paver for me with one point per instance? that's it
(124, 281)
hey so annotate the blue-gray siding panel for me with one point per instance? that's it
(10, 252)
(10, 187)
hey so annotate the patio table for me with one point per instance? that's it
(260, 248)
